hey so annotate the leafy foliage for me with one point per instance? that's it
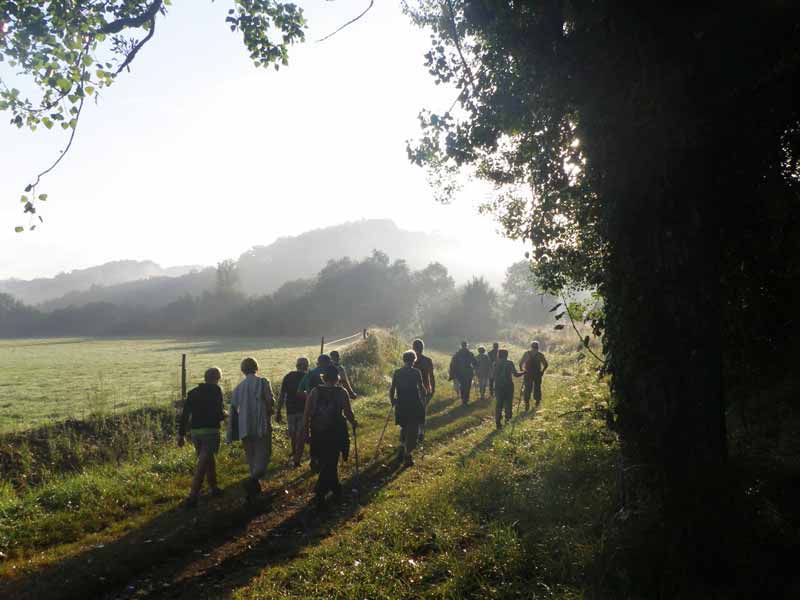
(614, 134)
(61, 53)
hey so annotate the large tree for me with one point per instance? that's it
(650, 151)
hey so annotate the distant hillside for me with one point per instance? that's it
(43, 289)
(264, 269)
(153, 292)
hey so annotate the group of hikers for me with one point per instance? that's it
(317, 405)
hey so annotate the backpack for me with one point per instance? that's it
(327, 411)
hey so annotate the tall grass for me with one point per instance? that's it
(520, 517)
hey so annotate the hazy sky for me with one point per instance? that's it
(196, 155)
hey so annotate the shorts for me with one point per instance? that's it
(206, 443)
(294, 423)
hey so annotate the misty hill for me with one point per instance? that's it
(264, 269)
(153, 292)
(42, 289)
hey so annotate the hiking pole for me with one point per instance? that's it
(516, 416)
(357, 489)
(380, 440)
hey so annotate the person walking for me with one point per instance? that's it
(406, 395)
(203, 408)
(425, 366)
(295, 402)
(344, 380)
(251, 411)
(504, 372)
(493, 357)
(533, 364)
(452, 376)
(326, 409)
(464, 365)
(483, 370)
(313, 378)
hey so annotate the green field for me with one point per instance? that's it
(482, 514)
(48, 380)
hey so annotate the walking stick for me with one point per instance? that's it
(357, 489)
(380, 440)
(516, 416)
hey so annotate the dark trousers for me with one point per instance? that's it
(328, 461)
(505, 401)
(465, 383)
(532, 383)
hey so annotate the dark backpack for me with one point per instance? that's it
(327, 411)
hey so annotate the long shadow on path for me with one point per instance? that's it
(223, 545)
(218, 577)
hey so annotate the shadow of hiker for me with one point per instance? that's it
(489, 439)
(460, 411)
(173, 533)
(284, 541)
(171, 542)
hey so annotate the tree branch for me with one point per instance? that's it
(148, 15)
(578, 333)
(350, 22)
(132, 54)
(457, 42)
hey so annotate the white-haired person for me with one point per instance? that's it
(250, 421)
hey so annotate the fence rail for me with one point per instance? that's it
(322, 343)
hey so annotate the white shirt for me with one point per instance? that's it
(250, 400)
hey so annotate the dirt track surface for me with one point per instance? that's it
(224, 544)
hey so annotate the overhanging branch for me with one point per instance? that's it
(147, 16)
(132, 54)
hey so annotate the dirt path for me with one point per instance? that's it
(214, 571)
(225, 544)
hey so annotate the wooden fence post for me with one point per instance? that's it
(322, 345)
(183, 377)
(365, 333)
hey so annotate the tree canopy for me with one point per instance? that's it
(649, 151)
(60, 53)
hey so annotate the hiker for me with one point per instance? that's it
(314, 377)
(493, 357)
(425, 366)
(251, 410)
(483, 370)
(451, 376)
(406, 394)
(504, 370)
(324, 426)
(462, 369)
(534, 364)
(344, 380)
(203, 408)
(295, 402)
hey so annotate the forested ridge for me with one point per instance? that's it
(353, 294)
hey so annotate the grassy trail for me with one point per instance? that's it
(225, 549)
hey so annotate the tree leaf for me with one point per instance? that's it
(559, 326)
(555, 308)
(19, 229)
